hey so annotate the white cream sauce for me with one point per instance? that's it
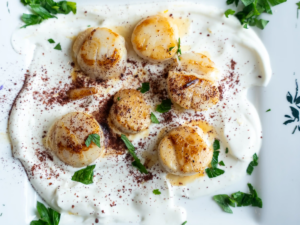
(115, 195)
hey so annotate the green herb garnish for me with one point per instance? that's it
(165, 106)
(184, 223)
(213, 171)
(85, 175)
(252, 164)
(51, 41)
(93, 138)
(170, 49)
(226, 151)
(239, 198)
(136, 163)
(46, 9)
(156, 192)
(48, 216)
(145, 87)
(57, 47)
(224, 201)
(298, 4)
(251, 11)
(268, 110)
(118, 98)
(153, 118)
(221, 163)
(229, 12)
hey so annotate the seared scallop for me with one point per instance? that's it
(184, 152)
(67, 136)
(153, 37)
(100, 53)
(197, 63)
(191, 91)
(130, 113)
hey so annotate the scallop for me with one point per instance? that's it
(130, 113)
(184, 152)
(100, 53)
(198, 63)
(155, 39)
(67, 136)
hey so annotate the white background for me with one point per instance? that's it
(277, 178)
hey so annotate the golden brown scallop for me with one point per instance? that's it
(184, 152)
(130, 113)
(153, 37)
(67, 136)
(100, 53)
(191, 91)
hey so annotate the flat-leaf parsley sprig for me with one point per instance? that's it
(45, 9)
(47, 216)
(251, 11)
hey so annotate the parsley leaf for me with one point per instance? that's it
(156, 192)
(221, 163)
(85, 175)
(137, 163)
(184, 223)
(253, 163)
(229, 12)
(244, 199)
(224, 201)
(93, 138)
(268, 110)
(57, 47)
(251, 10)
(30, 19)
(153, 118)
(145, 87)
(216, 145)
(46, 9)
(165, 106)
(226, 151)
(298, 4)
(48, 216)
(214, 172)
(118, 98)
(239, 198)
(214, 161)
(170, 49)
(51, 41)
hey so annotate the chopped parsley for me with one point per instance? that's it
(251, 11)
(156, 192)
(165, 106)
(213, 171)
(224, 201)
(153, 118)
(51, 41)
(57, 47)
(184, 223)
(170, 49)
(85, 175)
(240, 199)
(145, 87)
(47, 216)
(226, 151)
(268, 110)
(118, 98)
(221, 163)
(229, 12)
(179, 49)
(252, 164)
(93, 138)
(136, 163)
(298, 4)
(43, 10)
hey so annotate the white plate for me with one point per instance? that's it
(276, 178)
